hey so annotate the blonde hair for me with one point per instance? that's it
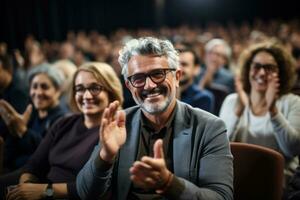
(106, 76)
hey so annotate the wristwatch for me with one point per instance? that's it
(48, 193)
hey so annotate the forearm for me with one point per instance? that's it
(28, 178)
(193, 192)
(286, 134)
(231, 119)
(206, 80)
(60, 190)
(94, 179)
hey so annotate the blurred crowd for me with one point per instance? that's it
(210, 58)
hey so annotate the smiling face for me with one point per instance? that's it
(216, 56)
(87, 100)
(43, 93)
(188, 67)
(263, 64)
(153, 98)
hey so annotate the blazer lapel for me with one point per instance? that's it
(182, 142)
(127, 155)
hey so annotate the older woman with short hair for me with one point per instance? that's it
(28, 129)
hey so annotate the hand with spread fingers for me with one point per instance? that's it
(243, 99)
(272, 92)
(27, 191)
(16, 123)
(152, 173)
(112, 132)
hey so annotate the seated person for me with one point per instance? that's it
(215, 72)
(190, 92)
(11, 90)
(161, 148)
(27, 129)
(70, 141)
(264, 111)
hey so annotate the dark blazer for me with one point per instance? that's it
(201, 157)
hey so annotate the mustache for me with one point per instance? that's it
(160, 89)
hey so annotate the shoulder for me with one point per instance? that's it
(66, 121)
(226, 73)
(231, 98)
(131, 110)
(57, 113)
(201, 93)
(290, 98)
(189, 113)
(289, 102)
(198, 121)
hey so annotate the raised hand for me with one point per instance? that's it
(27, 191)
(211, 69)
(272, 92)
(243, 99)
(112, 131)
(152, 173)
(16, 123)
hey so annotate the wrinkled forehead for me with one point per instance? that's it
(146, 63)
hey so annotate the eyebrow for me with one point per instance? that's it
(91, 84)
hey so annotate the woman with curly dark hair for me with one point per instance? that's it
(263, 111)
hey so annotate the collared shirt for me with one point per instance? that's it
(147, 139)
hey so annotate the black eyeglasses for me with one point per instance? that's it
(267, 67)
(157, 76)
(94, 89)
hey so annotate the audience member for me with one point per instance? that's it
(51, 171)
(68, 70)
(263, 111)
(11, 91)
(164, 148)
(189, 91)
(27, 129)
(216, 70)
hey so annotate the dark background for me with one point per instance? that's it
(51, 19)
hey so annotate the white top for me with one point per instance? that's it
(281, 132)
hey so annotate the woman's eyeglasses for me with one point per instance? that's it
(157, 76)
(267, 67)
(94, 89)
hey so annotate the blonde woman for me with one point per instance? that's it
(69, 143)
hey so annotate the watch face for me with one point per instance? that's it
(49, 192)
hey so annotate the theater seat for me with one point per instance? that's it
(258, 172)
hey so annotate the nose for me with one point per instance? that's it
(87, 94)
(39, 91)
(149, 84)
(262, 71)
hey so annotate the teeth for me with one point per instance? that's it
(153, 95)
(260, 81)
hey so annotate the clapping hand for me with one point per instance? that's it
(112, 132)
(16, 123)
(243, 99)
(27, 191)
(272, 92)
(152, 173)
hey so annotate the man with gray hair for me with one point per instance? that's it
(162, 148)
(217, 58)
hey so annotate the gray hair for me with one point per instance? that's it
(53, 73)
(216, 42)
(148, 46)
